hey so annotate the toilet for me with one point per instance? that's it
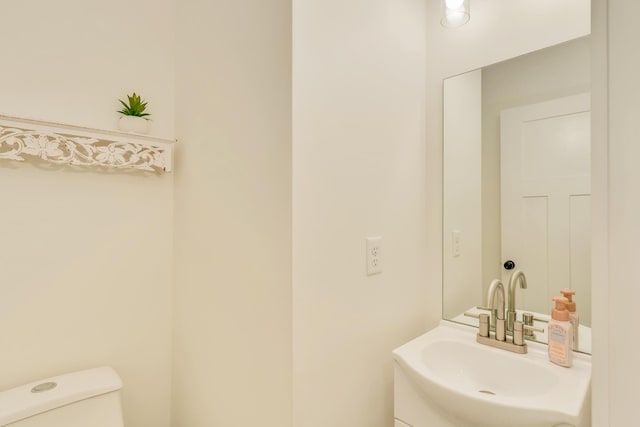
(79, 399)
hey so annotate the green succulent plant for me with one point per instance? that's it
(135, 107)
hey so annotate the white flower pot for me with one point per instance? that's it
(133, 124)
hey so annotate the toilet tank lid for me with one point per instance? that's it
(41, 396)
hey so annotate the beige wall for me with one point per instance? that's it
(86, 256)
(69, 61)
(232, 347)
(600, 216)
(616, 372)
(462, 190)
(358, 171)
(496, 31)
(551, 73)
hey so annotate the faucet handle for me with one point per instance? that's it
(533, 329)
(518, 333)
(519, 329)
(483, 323)
(528, 319)
(494, 314)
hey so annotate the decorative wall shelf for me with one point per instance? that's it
(80, 146)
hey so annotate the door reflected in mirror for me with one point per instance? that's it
(517, 184)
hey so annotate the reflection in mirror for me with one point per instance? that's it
(517, 184)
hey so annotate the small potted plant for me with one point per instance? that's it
(133, 117)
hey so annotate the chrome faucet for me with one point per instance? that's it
(496, 289)
(499, 339)
(517, 276)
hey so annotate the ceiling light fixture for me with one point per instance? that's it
(455, 14)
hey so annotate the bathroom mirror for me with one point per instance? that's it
(516, 183)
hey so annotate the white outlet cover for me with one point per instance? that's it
(374, 260)
(455, 243)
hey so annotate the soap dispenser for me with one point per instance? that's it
(560, 334)
(574, 319)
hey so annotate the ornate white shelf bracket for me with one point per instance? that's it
(74, 145)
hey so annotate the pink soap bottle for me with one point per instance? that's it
(573, 315)
(560, 334)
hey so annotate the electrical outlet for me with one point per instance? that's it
(374, 248)
(455, 243)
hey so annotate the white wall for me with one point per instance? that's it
(462, 182)
(358, 171)
(86, 256)
(498, 30)
(232, 348)
(69, 61)
(616, 372)
(600, 216)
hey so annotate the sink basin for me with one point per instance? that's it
(471, 384)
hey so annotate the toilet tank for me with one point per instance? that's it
(88, 398)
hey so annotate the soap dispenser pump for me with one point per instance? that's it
(574, 319)
(560, 334)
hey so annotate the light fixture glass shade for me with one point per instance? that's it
(455, 13)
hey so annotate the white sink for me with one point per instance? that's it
(471, 384)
